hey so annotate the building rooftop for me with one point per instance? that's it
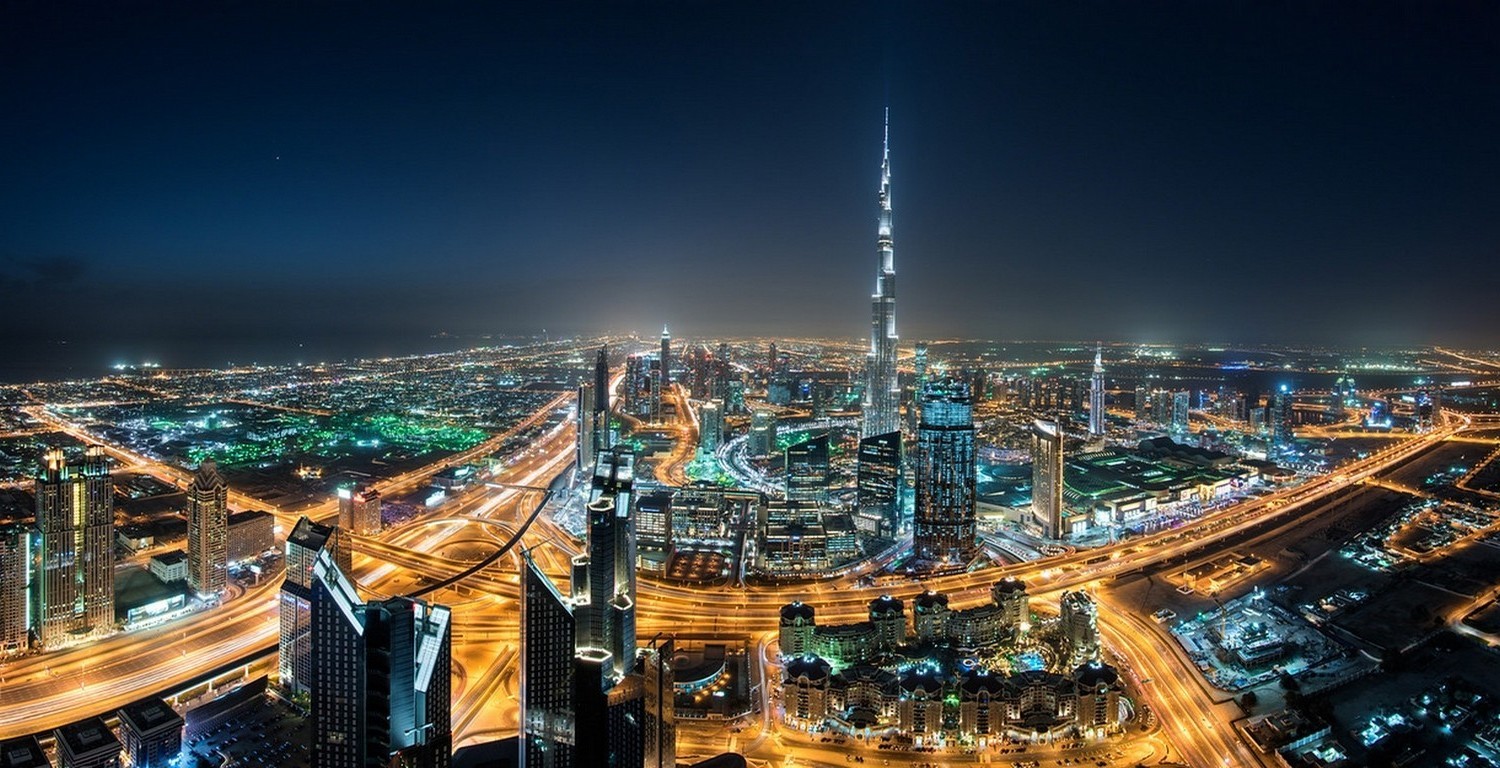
(172, 557)
(86, 737)
(149, 715)
(24, 752)
(238, 518)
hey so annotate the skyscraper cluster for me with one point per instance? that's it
(588, 697)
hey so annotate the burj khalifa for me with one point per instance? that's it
(882, 389)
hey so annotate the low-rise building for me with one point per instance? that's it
(170, 566)
(152, 733)
(250, 534)
(804, 691)
(87, 744)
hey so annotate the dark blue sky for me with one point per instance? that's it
(1198, 171)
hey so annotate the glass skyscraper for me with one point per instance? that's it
(944, 522)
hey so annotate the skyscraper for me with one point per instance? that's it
(944, 522)
(359, 509)
(762, 439)
(208, 531)
(1281, 421)
(1096, 396)
(807, 470)
(381, 677)
(655, 668)
(666, 358)
(73, 586)
(878, 477)
(306, 540)
(547, 637)
(1181, 402)
(710, 427)
(15, 581)
(882, 390)
(586, 441)
(1047, 478)
(600, 427)
(606, 620)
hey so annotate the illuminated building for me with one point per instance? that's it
(654, 665)
(546, 694)
(878, 477)
(605, 613)
(920, 709)
(773, 359)
(888, 615)
(982, 706)
(294, 606)
(1099, 690)
(864, 696)
(1142, 403)
(1281, 422)
(919, 365)
(882, 388)
(585, 440)
(1181, 401)
(152, 733)
(804, 691)
(249, 534)
(666, 358)
(1010, 594)
(1079, 615)
(1047, 478)
(1425, 409)
(359, 509)
(762, 440)
(638, 386)
(87, 744)
(929, 619)
(807, 470)
(944, 522)
(723, 365)
(653, 513)
(73, 584)
(15, 582)
(208, 532)
(1096, 396)
(797, 624)
(710, 427)
(381, 677)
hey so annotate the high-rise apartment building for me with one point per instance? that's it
(807, 470)
(1047, 478)
(15, 582)
(710, 427)
(359, 509)
(944, 522)
(73, 581)
(381, 690)
(1080, 626)
(1096, 396)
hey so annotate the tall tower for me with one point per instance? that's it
(606, 619)
(944, 525)
(600, 413)
(73, 587)
(882, 391)
(306, 540)
(1096, 396)
(1047, 478)
(15, 579)
(208, 531)
(666, 358)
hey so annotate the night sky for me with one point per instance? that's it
(240, 175)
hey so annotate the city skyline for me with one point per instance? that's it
(1097, 153)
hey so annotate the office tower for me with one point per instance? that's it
(882, 390)
(637, 387)
(878, 477)
(15, 582)
(381, 677)
(1080, 626)
(152, 733)
(762, 439)
(773, 359)
(657, 376)
(653, 512)
(944, 522)
(73, 584)
(1181, 401)
(603, 438)
(1281, 421)
(655, 668)
(1142, 403)
(606, 618)
(666, 358)
(723, 369)
(306, 540)
(583, 452)
(919, 364)
(87, 744)
(1047, 478)
(359, 509)
(807, 470)
(710, 427)
(208, 532)
(1096, 396)
(547, 637)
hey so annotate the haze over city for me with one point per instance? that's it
(343, 175)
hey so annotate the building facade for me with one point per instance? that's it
(73, 581)
(208, 532)
(944, 523)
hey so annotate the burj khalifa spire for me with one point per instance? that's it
(882, 389)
